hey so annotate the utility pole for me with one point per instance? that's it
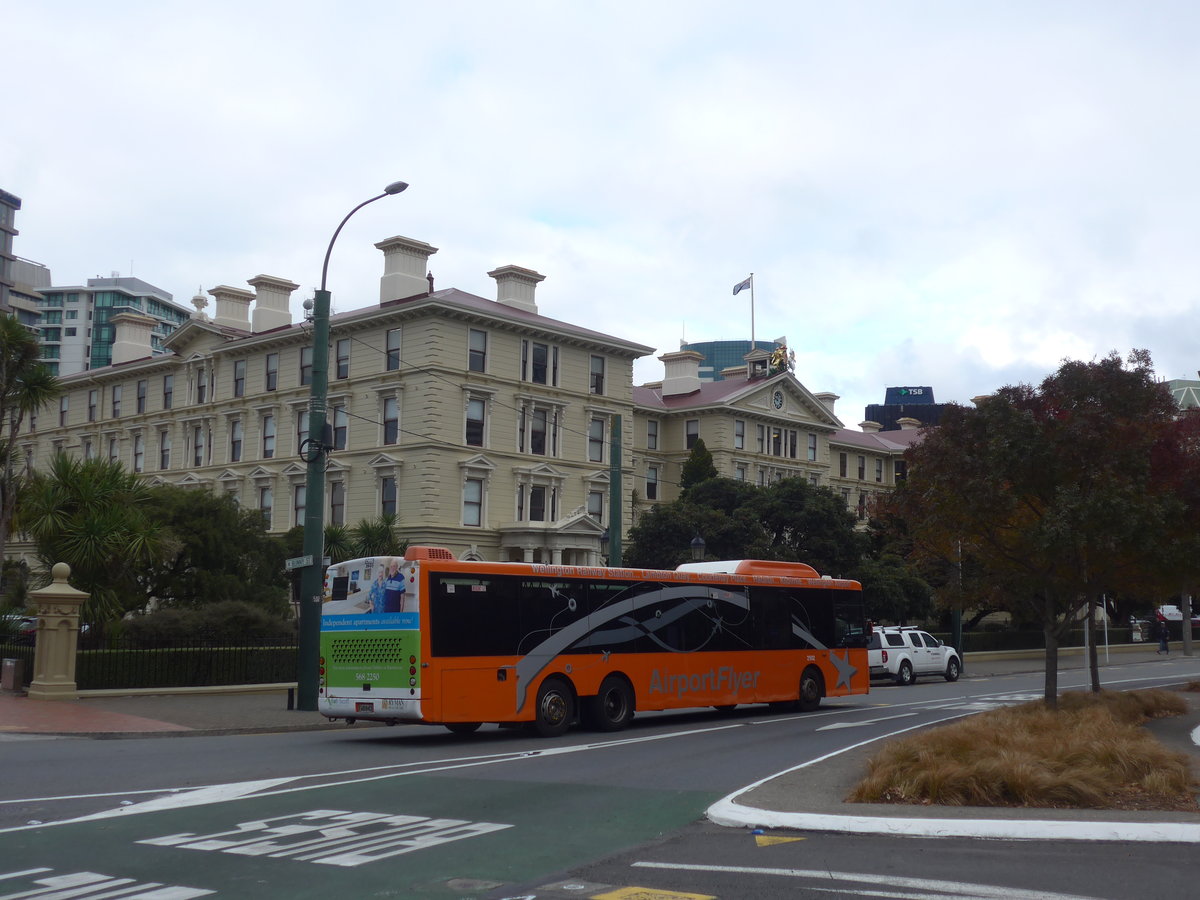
(314, 451)
(614, 493)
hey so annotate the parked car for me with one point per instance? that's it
(1175, 614)
(19, 629)
(903, 653)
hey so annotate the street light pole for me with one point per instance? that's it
(313, 453)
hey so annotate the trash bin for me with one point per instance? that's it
(12, 675)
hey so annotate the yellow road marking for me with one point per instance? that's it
(641, 893)
(766, 840)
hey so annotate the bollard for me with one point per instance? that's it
(12, 676)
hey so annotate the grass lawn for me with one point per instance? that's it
(1089, 754)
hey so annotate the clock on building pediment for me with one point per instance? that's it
(777, 399)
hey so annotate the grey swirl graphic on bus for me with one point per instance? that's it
(621, 615)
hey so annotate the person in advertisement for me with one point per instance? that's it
(393, 587)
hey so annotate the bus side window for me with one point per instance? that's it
(773, 624)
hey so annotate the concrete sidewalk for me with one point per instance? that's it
(249, 710)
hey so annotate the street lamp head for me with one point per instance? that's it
(395, 187)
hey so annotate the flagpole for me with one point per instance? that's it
(752, 344)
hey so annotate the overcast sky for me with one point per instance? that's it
(953, 194)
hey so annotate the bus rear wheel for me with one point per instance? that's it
(612, 707)
(463, 727)
(811, 689)
(555, 707)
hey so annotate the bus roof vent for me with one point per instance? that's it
(417, 552)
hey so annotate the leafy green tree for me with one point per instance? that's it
(892, 590)
(727, 495)
(662, 538)
(369, 537)
(94, 516)
(1052, 493)
(25, 384)
(808, 524)
(219, 552)
(698, 467)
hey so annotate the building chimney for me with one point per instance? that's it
(827, 400)
(515, 287)
(272, 298)
(132, 340)
(233, 307)
(681, 373)
(870, 427)
(404, 265)
(908, 424)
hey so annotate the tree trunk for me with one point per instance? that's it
(1050, 630)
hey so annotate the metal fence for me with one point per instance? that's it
(130, 663)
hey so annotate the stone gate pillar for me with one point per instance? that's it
(58, 607)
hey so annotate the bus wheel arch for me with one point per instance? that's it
(554, 711)
(611, 709)
(812, 689)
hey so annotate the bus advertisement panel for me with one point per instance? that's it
(431, 639)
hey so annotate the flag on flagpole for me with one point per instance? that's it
(741, 286)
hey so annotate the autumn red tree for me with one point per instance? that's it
(1056, 493)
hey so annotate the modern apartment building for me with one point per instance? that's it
(721, 355)
(9, 204)
(77, 329)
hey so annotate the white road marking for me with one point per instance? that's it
(836, 725)
(223, 793)
(923, 886)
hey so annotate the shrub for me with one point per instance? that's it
(1090, 753)
(230, 621)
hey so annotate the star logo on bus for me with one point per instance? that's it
(845, 671)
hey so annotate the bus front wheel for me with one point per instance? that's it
(612, 708)
(810, 690)
(555, 708)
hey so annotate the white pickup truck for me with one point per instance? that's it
(903, 653)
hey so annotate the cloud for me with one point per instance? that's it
(928, 193)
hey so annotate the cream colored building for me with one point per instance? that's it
(760, 428)
(482, 424)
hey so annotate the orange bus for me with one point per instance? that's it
(426, 638)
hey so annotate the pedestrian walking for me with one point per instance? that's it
(1164, 636)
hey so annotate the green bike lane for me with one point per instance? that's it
(413, 836)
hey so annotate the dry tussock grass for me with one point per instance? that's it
(1091, 754)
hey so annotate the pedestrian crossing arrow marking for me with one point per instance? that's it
(863, 722)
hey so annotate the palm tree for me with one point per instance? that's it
(339, 545)
(377, 537)
(91, 514)
(25, 385)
